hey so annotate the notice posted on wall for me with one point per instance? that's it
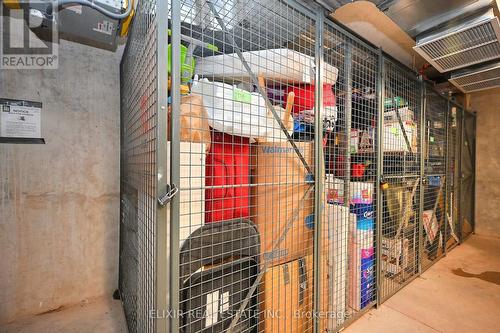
(20, 119)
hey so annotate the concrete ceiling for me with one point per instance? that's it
(364, 18)
(393, 24)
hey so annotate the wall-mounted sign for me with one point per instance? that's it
(20, 120)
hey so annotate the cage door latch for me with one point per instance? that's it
(168, 195)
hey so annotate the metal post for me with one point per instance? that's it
(446, 178)
(162, 250)
(473, 162)
(174, 162)
(347, 119)
(380, 171)
(318, 170)
(460, 150)
(423, 106)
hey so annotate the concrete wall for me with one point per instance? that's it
(59, 202)
(487, 105)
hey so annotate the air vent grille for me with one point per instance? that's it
(458, 42)
(470, 57)
(478, 79)
(475, 41)
(483, 85)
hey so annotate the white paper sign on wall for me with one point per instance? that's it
(20, 119)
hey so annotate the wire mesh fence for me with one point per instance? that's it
(304, 165)
(467, 173)
(138, 171)
(453, 197)
(247, 166)
(401, 151)
(351, 160)
(435, 180)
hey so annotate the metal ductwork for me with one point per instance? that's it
(417, 17)
(473, 41)
(476, 79)
(451, 35)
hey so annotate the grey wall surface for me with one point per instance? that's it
(59, 202)
(487, 105)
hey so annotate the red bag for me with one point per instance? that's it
(304, 97)
(227, 164)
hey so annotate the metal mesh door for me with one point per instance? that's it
(401, 172)
(306, 164)
(468, 165)
(351, 164)
(248, 164)
(139, 99)
(435, 178)
(453, 197)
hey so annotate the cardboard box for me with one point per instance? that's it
(354, 141)
(326, 311)
(286, 301)
(366, 142)
(405, 113)
(191, 188)
(394, 140)
(431, 226)
(279, 180)
(334, 188)
(395, 254)
(360, 192)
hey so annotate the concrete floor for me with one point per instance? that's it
(460, 293)
(445, 298)
(102, 315)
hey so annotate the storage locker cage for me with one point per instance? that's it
(467, 173)
(278, 172)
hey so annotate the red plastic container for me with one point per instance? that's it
(304, 97)
(358, 170)
(227, 165)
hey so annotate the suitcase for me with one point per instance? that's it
(219, 262)
(227, 164)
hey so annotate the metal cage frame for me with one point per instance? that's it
(151, 169)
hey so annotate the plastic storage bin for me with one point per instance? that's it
(282, 65)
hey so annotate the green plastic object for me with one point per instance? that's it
(394, 102)
(187, 70)
(187, 66)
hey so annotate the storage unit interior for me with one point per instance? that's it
(280, 121)
(278, 172)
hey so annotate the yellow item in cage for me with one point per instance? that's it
(125, 27)
(12, 4)
(184, 88)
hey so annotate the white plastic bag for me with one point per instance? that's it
(237, 112)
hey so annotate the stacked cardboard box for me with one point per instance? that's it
(278, 206)
(280, 211)
(394, 140)
(286, 302)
